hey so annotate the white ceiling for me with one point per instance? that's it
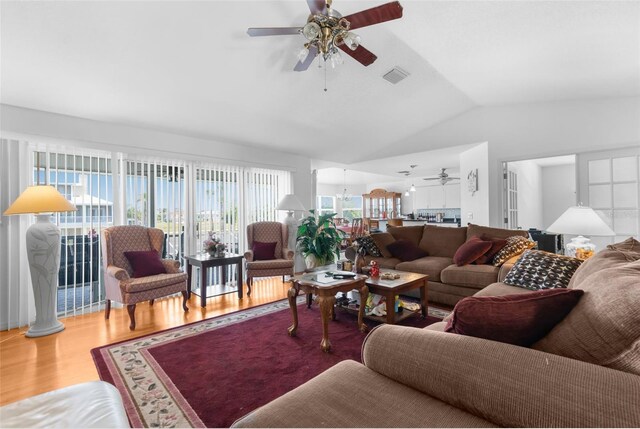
(188, 67)
(427, 164)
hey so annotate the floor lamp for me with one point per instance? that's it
(43, 252)
(291, 203)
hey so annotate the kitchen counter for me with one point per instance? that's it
(447, 223)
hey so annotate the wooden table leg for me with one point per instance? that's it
(189, 278)
(423, 300)
(292, 295)
(239, 280)
(223, 274)
(391, 309)
(326, 304)
(203, 286)
(364, 294)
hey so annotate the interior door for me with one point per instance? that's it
(609, 183)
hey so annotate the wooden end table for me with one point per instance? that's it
(391, 288)
(314, 283)
(204, 261)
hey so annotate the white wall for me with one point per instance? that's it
(36, 125)
(474, 208)
(558, 191)
(530, 206)
(534, 130)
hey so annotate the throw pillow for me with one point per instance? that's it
(470, 251)
(145, 263)
(515, 246)
(406, 250)
(382, 240)
(263, 251)
(369, 245)
(542, 270)
(496, 245)
(520, 319)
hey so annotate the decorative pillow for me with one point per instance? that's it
(382, 240)
(369, 245)
(496, 245)
(263, 251)
(515, 246)
(145, 263)
(542, 270)
(520, 319)
(470, 251)
(406, 250)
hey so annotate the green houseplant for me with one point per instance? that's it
(319, 240)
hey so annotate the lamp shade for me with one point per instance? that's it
(290, 203)
(40, 199)
(580, 220)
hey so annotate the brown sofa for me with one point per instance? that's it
(584, 373)
(448, 283)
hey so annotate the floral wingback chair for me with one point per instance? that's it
(282, 262)
(121, 286)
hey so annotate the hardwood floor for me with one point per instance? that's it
(29, 366)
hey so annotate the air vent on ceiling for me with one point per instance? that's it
(395, 75)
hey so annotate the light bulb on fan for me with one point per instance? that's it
(336, 58)
(352, 40)
(311, 31)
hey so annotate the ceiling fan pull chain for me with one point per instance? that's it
(325, 75)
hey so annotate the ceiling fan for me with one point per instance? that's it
(443, 177)
(327, 32)
(407, 172)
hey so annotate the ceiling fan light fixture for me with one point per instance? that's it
(302, 53)
(412, 188)
(311, 31)
(336, 58)
(352, 40)
(406, 193)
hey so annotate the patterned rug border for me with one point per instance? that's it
(150, 393)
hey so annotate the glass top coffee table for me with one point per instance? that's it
(325, 288)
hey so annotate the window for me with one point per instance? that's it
(86, 180)
(186, 200)
(352, 208)
(325, 204)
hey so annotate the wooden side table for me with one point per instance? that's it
(204, 261)
(326, 293)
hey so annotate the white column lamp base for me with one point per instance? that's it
(43, 252)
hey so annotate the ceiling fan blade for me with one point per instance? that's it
(304, 65)
(362, 55)
(317, 6)
(432, 178)
(273, 31)
(375, 15)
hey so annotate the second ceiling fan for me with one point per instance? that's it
(327, 32)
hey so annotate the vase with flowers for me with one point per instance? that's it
(214, 247)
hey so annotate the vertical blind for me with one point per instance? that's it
(85, 179)
(187, 200)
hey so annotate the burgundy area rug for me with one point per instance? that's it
(212, 372)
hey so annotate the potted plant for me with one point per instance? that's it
(319, 240)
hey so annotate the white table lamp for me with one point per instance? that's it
(43, 252)
(580, 220)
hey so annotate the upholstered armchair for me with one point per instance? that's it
(281, 265)
(121, 286)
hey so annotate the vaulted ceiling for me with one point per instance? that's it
(189, 67)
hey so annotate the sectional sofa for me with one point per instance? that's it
(584, 373)
(448, 283)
